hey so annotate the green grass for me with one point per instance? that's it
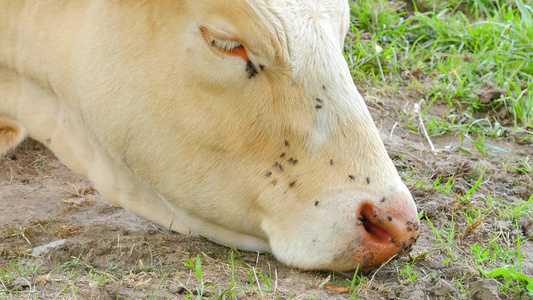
(260, 282)
(475, 60)
(500, 257)
(407, 273)
(19, 270)
(448, 51)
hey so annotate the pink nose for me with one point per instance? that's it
(386, 232)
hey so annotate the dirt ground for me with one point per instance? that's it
(110, 253)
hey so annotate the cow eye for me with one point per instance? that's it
(223, 43)
(226, 46)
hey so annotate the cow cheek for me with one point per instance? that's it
(317, 238)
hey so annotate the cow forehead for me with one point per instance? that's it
(305, 17)
(306, 29)
(312, 33)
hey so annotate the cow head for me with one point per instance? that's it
(277, 132)
(243, 118)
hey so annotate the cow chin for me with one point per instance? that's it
(346, 231)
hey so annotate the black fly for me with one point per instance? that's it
(250, 69)
(292, 183)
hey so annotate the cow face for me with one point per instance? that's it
(284, 141)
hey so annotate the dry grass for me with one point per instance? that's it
(65, 230)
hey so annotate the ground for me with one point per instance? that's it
(110, 253)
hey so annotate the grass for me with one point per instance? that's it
(38, 164)
(500, 257)
(77, 278)
(474, 59)
(472, 56)
(407, 273)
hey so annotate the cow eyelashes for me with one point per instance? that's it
(225, 45)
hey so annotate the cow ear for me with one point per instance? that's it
(223, 43)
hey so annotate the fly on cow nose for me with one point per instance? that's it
(386, 232)
(373, 223)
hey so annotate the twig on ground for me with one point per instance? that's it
(276, 282)
(392, 130)
(257, 280)
(374, 275)
(170, 225)
(1, 281)
(398, 153)
(321, 285)
(416, 107)
(27, 281)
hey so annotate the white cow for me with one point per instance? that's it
(237, 120)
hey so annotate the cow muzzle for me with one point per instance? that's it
(387, 232)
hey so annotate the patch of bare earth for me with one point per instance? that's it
(106, 252)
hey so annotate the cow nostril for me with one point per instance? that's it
(372, 224)
(376, 231)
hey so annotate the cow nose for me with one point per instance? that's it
(386, 232)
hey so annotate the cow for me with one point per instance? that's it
(235, 120)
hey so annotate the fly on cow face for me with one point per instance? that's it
(224, 43)
(250, 69)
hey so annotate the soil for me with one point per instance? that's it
(41, 201)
